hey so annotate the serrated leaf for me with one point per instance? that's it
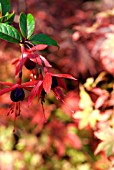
(88, 117)
(42, 39)
(27, 25)
(83, 116)
(87, 114)
(9, 33)
(105, 134)
(107, 137)
(107, 53)
(5, 6)
(85, 101)
(105, 146)
(7, 18)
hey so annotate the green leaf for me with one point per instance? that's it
(23, 24)
(9, 33)
(0, 9)
(5, 6)
(27, 24)
(7, 18)
(43, 39)
(30, 25)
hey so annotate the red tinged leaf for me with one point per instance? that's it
(39, 119)
(101, 100)
(74, 140)
(60, 147)
(47, 82)
(8, 89)
(37, 47)
(37, 89)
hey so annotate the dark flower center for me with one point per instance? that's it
(43, 93)
(17, 95)
(29, 64)
(54, 82)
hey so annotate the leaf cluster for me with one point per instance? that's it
(96, 111)
(26, 26)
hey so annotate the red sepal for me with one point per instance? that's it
(64, 76)
(8, 89)
(37, 89)
(29, 84)
(6, 83)
(61, 83)
(37, 47)
(20, 65)
(47, 82)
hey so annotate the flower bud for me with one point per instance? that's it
(17, 95)
(29, 64)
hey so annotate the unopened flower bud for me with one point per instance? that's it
(17, 95)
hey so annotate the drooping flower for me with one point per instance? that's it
(49, 82)
(30, 58)
(17, 94)
(52, 82)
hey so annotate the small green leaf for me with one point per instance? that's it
(23, 24)
(5, 6)
(30, 25)
(7, 18)
(0, 9)
(43, 39)
(9, 33)
(27, 24)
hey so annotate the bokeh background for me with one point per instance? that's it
(84, 140)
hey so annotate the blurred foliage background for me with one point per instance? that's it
(81, 141)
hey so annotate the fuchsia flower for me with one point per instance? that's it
(52, 82)
(42, 84)
(30, 59)
(17, 94)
